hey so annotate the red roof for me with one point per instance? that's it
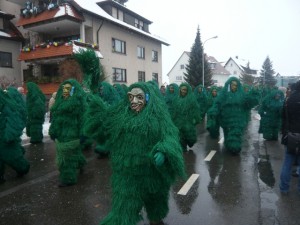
(61, 11)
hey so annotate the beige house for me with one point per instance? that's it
(121, 38)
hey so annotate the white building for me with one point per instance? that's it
(176, 74)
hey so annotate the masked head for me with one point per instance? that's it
(199, 89)
(137, 99)
(233, 86)
(183, 91)
(214, 92)
(67, 88)
(171, 89)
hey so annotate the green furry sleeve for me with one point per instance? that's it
(170, 147)
(94, 119)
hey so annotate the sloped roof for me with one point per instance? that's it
(249, 71)
(10, 32)
(62, 11)
(91, 6)
(185, 52)
(219, 69)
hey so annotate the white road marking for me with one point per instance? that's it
(221, 140)
(187, 186)
(210, 155)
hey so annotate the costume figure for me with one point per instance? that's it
(172, 92)
(185, 115)
(121, 91)
(145, 154)
(231, 107)
(201, 97)
(111, 97)
(13, 119)
(270, 113)
(66, 130)
(35, 103)
(51, 103)
(213, 123)
(108, 93)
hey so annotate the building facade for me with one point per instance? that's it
(10, 43)
(121, 38)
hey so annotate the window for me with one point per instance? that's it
(141, 52)
(1, 24)
(155, 77)
(182, 66)
(178, 77)
(119, 75)
(121, 15)
(212, 66)
(5, 59)
(139, 24)
(141, 76)
(118, 46)
(154, 56)
(116, 13)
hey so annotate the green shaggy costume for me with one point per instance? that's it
(12, 117)
(232, 110)
(270, 113)
(172, 92)
(36, 109)
(201, 97)
(185, 114)
(134, 140)
(66, 130)
(213, 123)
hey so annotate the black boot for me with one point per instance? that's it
(2, 180)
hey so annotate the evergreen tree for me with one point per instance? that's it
(247, 79)
(193, 76)
(267, 72)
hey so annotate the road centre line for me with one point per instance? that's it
(187, 186)
(210, 155)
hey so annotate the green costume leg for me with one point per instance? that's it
(188, 136)
(127, 202)
(157, 206)
(36, 133)
(101, 150)
(233, 139)
(69, 159)
(2, 170)
(12, 155)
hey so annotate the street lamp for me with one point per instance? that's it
(203, 57)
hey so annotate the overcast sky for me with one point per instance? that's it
(250, 29)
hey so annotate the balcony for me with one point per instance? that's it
(61, 19)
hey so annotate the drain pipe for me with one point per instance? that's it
(98, 32)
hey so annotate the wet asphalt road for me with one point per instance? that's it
(230, 190)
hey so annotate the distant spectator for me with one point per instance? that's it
(291, 122)
(22, 91)
(51, 103)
